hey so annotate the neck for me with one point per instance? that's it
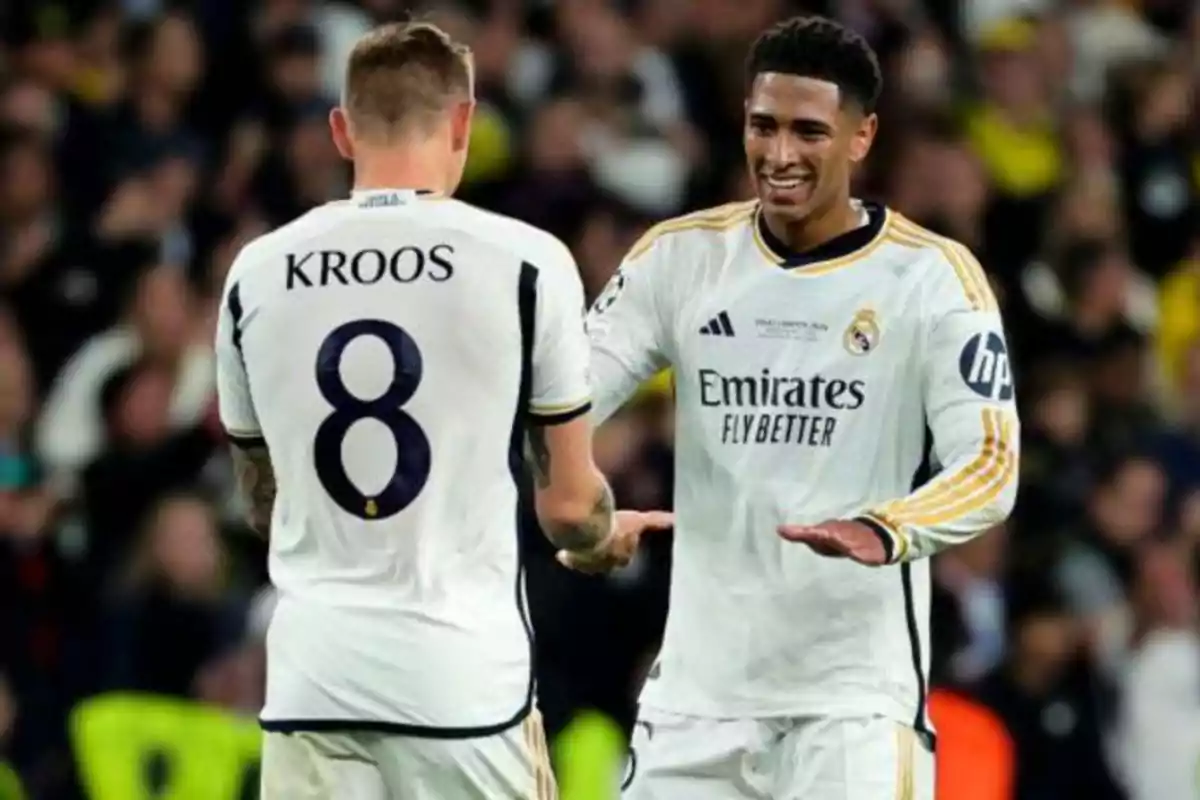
(817, 228)
(418, 165)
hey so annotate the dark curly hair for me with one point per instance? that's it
(817, 47)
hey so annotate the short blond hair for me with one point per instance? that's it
(402, 76)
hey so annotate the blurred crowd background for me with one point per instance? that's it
(142, 142)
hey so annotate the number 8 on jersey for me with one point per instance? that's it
(413, 452)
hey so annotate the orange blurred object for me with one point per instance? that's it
(975, 753)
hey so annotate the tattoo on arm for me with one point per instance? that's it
(256, 478)
(538, 455)
(589, 533)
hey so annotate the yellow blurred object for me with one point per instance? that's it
(975, 751)
(1021, 161)
(96, 86)
(660, 386)
(10, 784)
(1008, 35)
(1178, 319)
(203, 752)
(491, 147)
(589, 755)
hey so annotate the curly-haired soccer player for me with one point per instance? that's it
(824, 348)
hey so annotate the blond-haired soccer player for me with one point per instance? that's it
(381, 362)
(821, 348)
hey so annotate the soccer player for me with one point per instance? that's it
(822, 347)
(380, 361)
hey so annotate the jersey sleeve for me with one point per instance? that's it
(971, 414)
(235, 405)
(559, 390)
(625, 329)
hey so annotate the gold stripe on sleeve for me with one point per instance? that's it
(968, 489)
(967, 268)
(716, 219)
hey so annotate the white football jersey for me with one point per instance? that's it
(808, 388)
(388, 350)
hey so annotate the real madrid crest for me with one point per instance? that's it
(862, 335)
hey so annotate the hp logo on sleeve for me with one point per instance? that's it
(984, 366)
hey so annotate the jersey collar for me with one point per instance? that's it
(839, 248)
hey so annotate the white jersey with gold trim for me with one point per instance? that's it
(389, 351)
(809, 388)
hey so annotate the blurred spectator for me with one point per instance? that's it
(26, 105)
(304, 172)
(173, 612)
(972, 574)
(10, 782)
(145, 459)
(1125, 511)
(1162, 204)
(556, 189)
(1044, 693)
(1180, 448)
(1095, 278)
(1012, 129)
(159, 329)
(293, 80)
(1179, 324)
(1103, 36)
(1056, 454)
(1159, 735)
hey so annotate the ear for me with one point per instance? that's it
(864, 137)
(460, 124)
(339, 128)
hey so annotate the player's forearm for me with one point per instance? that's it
(579, 528)
(905, 542)
(575, 510)
(256, 479)
(973, 494)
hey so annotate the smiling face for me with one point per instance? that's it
(802, 140)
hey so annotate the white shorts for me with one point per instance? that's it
(354, 765)
(676, 757)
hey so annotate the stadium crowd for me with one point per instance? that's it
(142, 142)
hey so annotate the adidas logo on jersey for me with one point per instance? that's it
(718, 326)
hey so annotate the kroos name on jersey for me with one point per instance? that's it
(770, 391)
(369, 266)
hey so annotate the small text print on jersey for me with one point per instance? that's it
(384, 200)
(984, 366)
(799, 330)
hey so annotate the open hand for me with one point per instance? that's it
(839, 538)
(619, 548)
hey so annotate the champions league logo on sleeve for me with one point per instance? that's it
(984, 366)
(615, 286)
